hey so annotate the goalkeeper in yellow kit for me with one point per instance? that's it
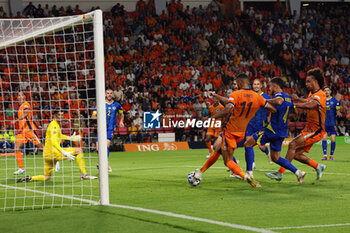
(53, 152)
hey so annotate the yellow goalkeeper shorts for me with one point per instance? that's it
(51, 160)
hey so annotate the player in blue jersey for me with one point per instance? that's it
(276, 131)
(330, 123)
(113, 111)
(255, 125)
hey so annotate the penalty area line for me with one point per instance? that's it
(309, 226)
(170, 214)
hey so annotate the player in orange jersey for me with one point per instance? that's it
(240, 109)
(314, 129)
(26, 131)
(213, 132)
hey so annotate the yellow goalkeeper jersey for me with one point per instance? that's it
(53, 140)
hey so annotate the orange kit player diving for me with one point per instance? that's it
(26, 131)
(213, 132)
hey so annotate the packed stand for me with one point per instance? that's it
(318, 37)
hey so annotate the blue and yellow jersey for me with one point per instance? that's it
(260, 117)
(279, 120)
(53, 140)
(331, 114)
(111, 114)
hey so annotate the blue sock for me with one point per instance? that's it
(324, 146)
(249, 158)
(286, 164)
(332, 147)
(234, 159)
(107, 152)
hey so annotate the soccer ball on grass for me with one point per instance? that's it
(193, 181)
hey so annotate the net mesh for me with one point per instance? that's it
(50, 61)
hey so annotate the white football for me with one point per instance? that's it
(193, 181)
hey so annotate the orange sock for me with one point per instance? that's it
(209, 146)
(313, 164)
(212, 159)
(282, 170)
(235, 168)
(19, 159)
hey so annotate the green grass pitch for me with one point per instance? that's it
(157, 181)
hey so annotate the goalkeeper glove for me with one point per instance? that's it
(68, 155)
(74, 138)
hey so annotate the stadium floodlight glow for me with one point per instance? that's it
(58, 63)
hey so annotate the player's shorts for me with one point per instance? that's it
(331, 130)
(30, 135)
(50, 160)
(109, 135)
(311, 137)
(264, 136)
(214, 132)
(230, 141)
(250, 131)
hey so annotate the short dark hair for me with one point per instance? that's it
(278, 81)
(109, 88)
(242, 76)
(317, 74)
(56, 111)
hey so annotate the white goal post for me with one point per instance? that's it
(68, 51)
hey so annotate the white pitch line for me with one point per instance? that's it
(170, 214)
(309, 226)
(51, 194)
(242, 227)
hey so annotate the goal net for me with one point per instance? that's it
(51, 77)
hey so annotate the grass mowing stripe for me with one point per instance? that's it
(195, 219)
(309, 226)
(147, 210)
(51, 194)
(259, 170)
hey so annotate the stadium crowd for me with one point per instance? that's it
(169, 62)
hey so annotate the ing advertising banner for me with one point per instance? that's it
(161, 146)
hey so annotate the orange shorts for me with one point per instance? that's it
(214, 132)
(30, 135)
(230, 141)
(311, 137)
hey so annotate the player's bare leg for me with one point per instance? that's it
(227, 156)
(19, 157)
(211, 160)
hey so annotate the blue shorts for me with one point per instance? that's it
(250, 131)
(331, 130)
(109, 135)
(264, 136)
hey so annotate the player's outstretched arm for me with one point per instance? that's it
(228, 108)
(270, 107)
(307, 105)
(73, 138)
(295, 98)
(222, 99)
(24, 116)
(275, 101)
